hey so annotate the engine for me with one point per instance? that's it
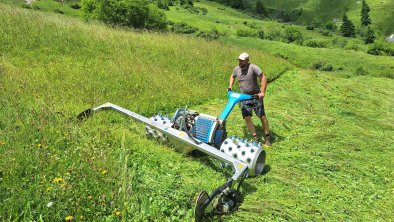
(203, 127)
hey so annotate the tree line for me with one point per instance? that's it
(348, 29)
(129, 13)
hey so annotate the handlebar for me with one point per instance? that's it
(253, 96)
(256, 97)
(234, 98)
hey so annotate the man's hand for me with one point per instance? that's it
(261, 95)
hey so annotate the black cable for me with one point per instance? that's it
(242, 180)
(187, 131)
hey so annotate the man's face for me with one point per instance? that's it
(242, 63)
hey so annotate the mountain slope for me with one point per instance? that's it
(337, 52)
(381, 11)
(331, 158)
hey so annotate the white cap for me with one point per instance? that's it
(243, 56)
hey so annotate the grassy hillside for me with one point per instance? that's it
(51, 69)
(325, 10)
(342, 54)
(347, 62)
(331, 160)
(60, 7)
(224, 19)
(229, 22)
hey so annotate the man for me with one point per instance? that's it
(247, 75)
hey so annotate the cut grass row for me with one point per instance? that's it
(331, 155)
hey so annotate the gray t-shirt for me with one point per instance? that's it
(247, 78)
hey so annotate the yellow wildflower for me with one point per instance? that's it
(2, 142)
(117, 213)
(69, 218)
(58, 180)
(39, 145)
(104, 172)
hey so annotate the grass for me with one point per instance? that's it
(331, 160)
(323, 164)
(229, 22)
(65, 66)
(224, 19)
(348, 62)
(326, 10)
(351, 61)
(58, 7)
(49, 6)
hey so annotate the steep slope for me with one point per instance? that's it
(325, 10)
(331, 159)
(337, 53)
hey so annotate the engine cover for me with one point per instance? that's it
(204, 128)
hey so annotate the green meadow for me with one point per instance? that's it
(344, 55)
(332, 157)
(60, 6)
(346, 62)
(381, 11)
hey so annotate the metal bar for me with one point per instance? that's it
(238, 166)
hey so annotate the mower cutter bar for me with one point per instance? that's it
(238, 166)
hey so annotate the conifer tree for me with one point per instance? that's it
(365, 20)
(260, 9)
(347, 27)
(238, 4)
(370, 36)
(163, 4)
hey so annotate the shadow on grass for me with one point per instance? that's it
(225, 171)
(211, 162)
(267, 168)
(259, 129)
(246, 188)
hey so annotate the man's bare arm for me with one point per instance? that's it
(232, 78)
(263, 82)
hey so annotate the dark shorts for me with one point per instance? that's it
(249, 105)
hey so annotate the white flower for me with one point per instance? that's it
(49, 204)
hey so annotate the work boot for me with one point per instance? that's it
(255, 138)
(268, 140)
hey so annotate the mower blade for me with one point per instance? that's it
(199, 209)
(85, 114)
